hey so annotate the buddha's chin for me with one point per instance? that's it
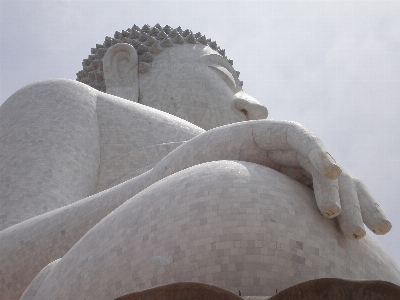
(205, 118)
(212, 118)
(208, 125)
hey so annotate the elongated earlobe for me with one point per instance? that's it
(120, 67)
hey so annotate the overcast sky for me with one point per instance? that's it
(332, 66)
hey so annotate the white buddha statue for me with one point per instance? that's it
(166, 171)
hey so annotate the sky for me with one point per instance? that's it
(333, 66)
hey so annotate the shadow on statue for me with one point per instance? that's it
(324, 288)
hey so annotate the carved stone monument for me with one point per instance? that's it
(157, 168)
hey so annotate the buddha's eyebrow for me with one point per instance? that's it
(219, 60)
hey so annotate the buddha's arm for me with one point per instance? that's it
(49, 148)
(281, 145)
(269, 143)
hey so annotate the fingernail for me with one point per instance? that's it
(383, 227)
(357, 233)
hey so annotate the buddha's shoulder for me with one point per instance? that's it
(50, 91)
(109, 108)
(62, 85)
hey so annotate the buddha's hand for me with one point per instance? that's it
(296, 149)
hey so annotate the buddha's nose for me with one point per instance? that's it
(253, 109)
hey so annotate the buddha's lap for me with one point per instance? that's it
(236, 225)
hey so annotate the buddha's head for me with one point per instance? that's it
(174, 71)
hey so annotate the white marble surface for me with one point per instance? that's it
(217, 223)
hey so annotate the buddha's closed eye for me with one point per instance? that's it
(225, 75)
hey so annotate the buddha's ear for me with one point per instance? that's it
(120, 67)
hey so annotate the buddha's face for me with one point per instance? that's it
(199, 85)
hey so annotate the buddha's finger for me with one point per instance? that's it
(326, 190)
(324, 163)
(287, 158)
(350, 220)
(327, 196)
(297, 174)
(272, 135)
(307, 144)
(371, 213)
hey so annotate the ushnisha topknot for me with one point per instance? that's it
(148, 41)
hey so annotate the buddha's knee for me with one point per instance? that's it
(34, 286)
(49, 144)
(236, 225)
(206, 223)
